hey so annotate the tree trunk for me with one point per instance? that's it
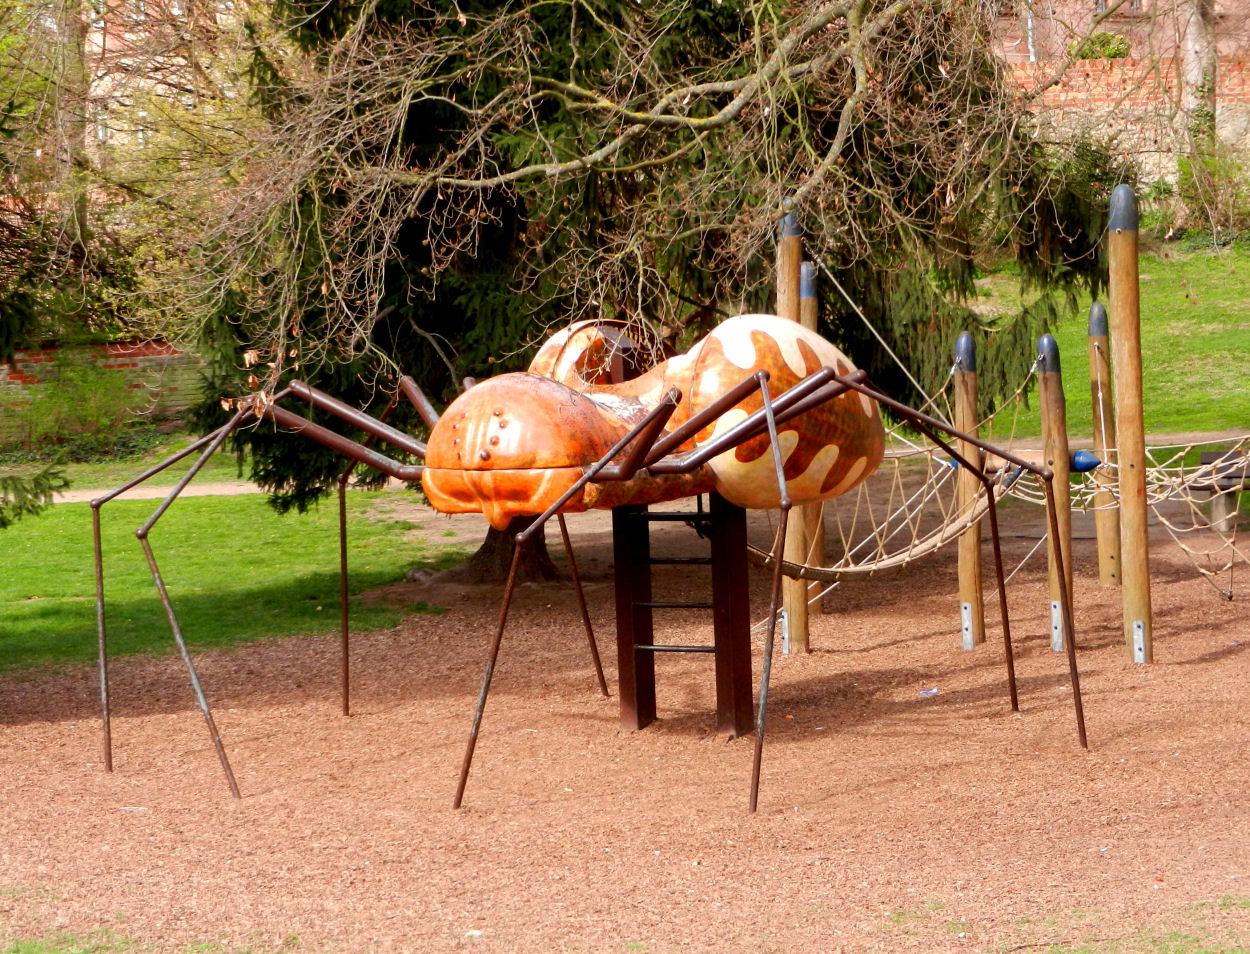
(493, 558)
(72, 91)
(1198, 64)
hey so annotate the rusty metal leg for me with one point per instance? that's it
(581, 603)
(775, 600)
(186, 658)
(488, 674)
(101, 640)
(1008, 652)
(766, 668)
(1066, 609)
(344, 624)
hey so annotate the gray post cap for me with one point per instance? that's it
(807, 280)
(1098, 320)
(1123, 209)
(789, 226)
(965, 352)
(1048, 354)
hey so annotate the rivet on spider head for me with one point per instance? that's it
(498, 411)
(485, 455)
(494, 439)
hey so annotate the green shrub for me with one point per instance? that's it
(1101, 45)
(79, 400)
(1214, 188)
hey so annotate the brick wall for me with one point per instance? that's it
(1134, 104)
(168, 378)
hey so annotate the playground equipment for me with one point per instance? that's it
(761, 411)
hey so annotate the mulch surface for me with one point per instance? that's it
(892, 817)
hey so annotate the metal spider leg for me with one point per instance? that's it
(930, 425)
(215, 439)
(142, 534)
(356, 451)
(581, 603)
(642, 436)
(774, 600)
(344, 622)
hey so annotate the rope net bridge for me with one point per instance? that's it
(911, 508)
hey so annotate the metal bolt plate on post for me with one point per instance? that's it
(1139, 641)
(965, 616)
(1056, 626)
(785, 632)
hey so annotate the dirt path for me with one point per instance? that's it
(893, 817)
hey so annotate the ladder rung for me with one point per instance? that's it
(677, 649)
(687, 517)
(674, 604)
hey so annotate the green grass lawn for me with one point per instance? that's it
(234, 568)
(1195, 339)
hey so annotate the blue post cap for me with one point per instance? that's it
(789, 226)
(807, 280)
(1048, 354)
(1123, 211)
(1084, 461)
(1097, 320)
(965, 352)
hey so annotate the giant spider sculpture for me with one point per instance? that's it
(761, 411)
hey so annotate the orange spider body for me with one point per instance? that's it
(511, 445)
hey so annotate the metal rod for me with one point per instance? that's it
(992, 506)
(1000, 579)
(816, 388)
(665, 408)
(774, 601)
(701, 420)
(344, 628)
(367, 423)
(218, 437)
(581, 604)
(344, 445)
(186, 658)
(643, 445)
(167, 462)
(1066, 601)
(419, 400)
(489, 673)
(344, 614)
(766, 671)
(665, 648)
(101, 640)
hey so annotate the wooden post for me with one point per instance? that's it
(812, 515)
(1129, 424)
(1106, 510)
(971, 600)
(793, 592)
(1058, 459)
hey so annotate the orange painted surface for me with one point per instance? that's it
(513, 444)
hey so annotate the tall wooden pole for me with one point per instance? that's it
(971, 600)
(1055, 444)
(1106, 510)
(794, 592)
(1125, 327)
(812, 515)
